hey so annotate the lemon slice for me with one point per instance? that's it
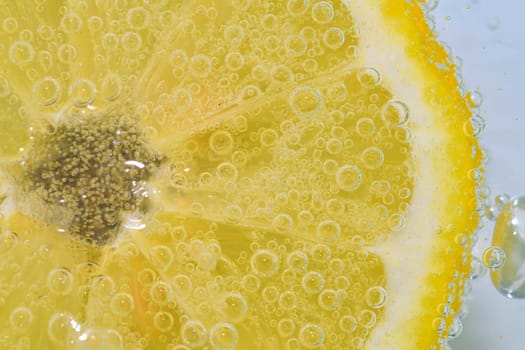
(232, 175)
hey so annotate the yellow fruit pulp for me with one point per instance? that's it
(231, 175)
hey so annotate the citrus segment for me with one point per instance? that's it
(244, 174)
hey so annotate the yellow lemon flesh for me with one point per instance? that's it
(231, 175)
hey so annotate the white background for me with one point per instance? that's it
(489, 37)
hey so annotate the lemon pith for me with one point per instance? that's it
(317, 187)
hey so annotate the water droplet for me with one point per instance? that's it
(60, 281)
(122, 304)
(509, 236)
(348, 178)
(322, 12)
(193, 333)
(223, 336)
(46, 91)
(221, 142)
(312, 282)
(376, 297)
(21, 318)
(305, 101)
(264, 263)
(311, 336)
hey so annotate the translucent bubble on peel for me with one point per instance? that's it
(194, 333)
(369, 77)
(311, 336)
(348, 178)
(395, 112)
(509, 236)
(305, 101)
(376, 297)
(223, 336)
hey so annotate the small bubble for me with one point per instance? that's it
(223, 336)
(312, 282)
(287, 300)
(59, 327)
(83, 92)
(456, 328)
(395, 113)
(311, 336)
(493, 257)
(283, 74)
(328, 299)
(396, 222)
(334, 146)
(200, 66)
(234, 61)
(10, 25)
(71, 23)
(478, 270)
(8, 241)
(111, 87)
(103, 287)
(376, 297)
(234, 307)
(161, 293)
(161, 256)
(372, 157)
(282, 223)
(305, 101)
(137, 18)
(46, 91)
(264, 263)
(286, 327)
(295, 45)
(67, 53)
(60, 281)
(333, 38)
(348, 178)
(365, 127)
(21, 318)
(348, 324)
(221, 142)
(193, 333)
(321, 253)
(369, 77)
(297, 7)
(163, 321)
(322, 12)
(122, 304)
(227, 171)
(251, 283)
(21, 53)
(367, 318)
(178, 58)
(328, 230)
(183, 286)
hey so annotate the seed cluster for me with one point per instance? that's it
(91, 170)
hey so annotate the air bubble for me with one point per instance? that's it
(10, 25)
(297, 7)
(59, 327)
(223, 336)
(348, 324)
(376, 297)
(122, 304)
(161, 256)
(321, 253)
(509, 236)
(328, 230)
(161, 293)
(131, 42)
(21, 53)
(322, 12)
(234, 61)
(21, 319)
(221, 142)
(312, 282)
(456, 328)
(193, 333)
(328, 300)
(163, 321)
(493, 210)
(367, 318)
(227, 171)
(283, 74)
(60, 281)
(137, 18)
(305, 101)
(493, 257)
(8, 240)
(372, 157)
(369, 77)
(46, 91)
(103, 287)
(333, 38)
(183, 286)
(395, 113)
(311, 336)
(234, 307)
(269, 137)
(200, 66)
(295, 45)
(334, 146)
(282, 223)
(83, 92)
(264, 263)
(67, 53)
(348, 178)
(478, 270)
(365, 127)
(178, 58)
(71, 23)
(396, 222)
(286, 327)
